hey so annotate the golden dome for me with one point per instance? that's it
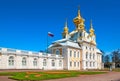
(91, 29)
(77, 20)
(65, 28)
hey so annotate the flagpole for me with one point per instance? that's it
(51, 35)
(47, 43)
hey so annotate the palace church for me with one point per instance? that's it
(76, 50)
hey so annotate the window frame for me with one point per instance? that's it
(35, 63)
(11, 61)
(44, 62)
(53, 63)
(24, 61)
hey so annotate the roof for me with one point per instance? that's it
(71, 44)
(98, 51)
(61, 40)
(65, 42)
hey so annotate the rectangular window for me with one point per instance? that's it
(78, 64)
(78, 54)
(90, 64)
(74, 64)
(74, 53)
(86, 47)
(70, 53)
(90, 55)
(93, 64)
(86, 64)
(93, 56)
(86, 55)
(70, 64)
(90, 48)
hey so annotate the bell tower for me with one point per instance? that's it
(91, 29)
(65, 30)
(92, 34)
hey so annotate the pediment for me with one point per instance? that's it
(56, 45)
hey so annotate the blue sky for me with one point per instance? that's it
(24, 23)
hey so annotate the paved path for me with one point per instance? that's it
(110, 76)
(5, 78)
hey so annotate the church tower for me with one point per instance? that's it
(79, 22)
(78, 47)
(80, 27)
(65, 31)
(92, 34)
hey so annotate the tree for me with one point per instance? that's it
(107, 61)
(116, 57)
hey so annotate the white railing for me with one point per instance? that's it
(24, 52)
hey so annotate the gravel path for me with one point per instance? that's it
(110, 76)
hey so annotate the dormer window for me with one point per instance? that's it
(58, 52)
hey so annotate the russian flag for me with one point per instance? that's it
(50, 34)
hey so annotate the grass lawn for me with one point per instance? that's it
(116, 69)
(46, 75)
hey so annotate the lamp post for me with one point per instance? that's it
(113, 65)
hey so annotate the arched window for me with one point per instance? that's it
(53, 63)
(58, 52)
(44, 62)
(11, 61)
(60, 63)
(35, 62)
(24, 63)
